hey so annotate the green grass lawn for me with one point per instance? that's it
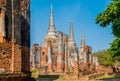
(49, 77)
(35, 73)
(108, 77)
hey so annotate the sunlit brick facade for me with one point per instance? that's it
(15, 36)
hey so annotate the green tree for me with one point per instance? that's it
(111, 15)
(114, 50)
(105, 58)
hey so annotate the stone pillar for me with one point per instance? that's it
(96, 62)
(85, 61)
(65, 53)
(2, 25)
(91, 59)
(33, 55)
(76, 64)
(16, 37)
(40, 56)
(25, 34)
(60, 52)
(91, 62)
(49, 57)
(16, 58)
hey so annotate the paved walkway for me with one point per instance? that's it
(82, 80)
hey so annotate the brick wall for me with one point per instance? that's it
(5, 56)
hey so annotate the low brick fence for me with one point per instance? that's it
(93, 76)
(15, 77)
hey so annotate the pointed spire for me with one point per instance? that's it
(51, 29)
(71, 39)
(82, 40)
(51, 18)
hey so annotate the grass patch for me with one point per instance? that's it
(2, 72)
(48, 77)
(35, 73)
(51, 77)
(61, 78)
(34, 70)
(107, 77)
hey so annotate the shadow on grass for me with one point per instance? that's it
(47, 77)
(109, 78)
(29, 79)
(115, 79)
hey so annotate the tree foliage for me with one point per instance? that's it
(111, 15)
(105, 58)
(114, 50)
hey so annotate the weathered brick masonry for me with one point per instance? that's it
(15, 36)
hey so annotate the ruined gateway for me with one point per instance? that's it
(14, 39)
(59, 54)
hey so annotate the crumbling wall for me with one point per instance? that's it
(8, 20)
(5, 56)
(17, 36)
(25, 34)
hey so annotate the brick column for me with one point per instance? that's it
(16, 37)
(16, 58)
(65, 53)
(2, 25)
(49, 57)
(60, 52)
(91, 63)
(76, 64)
(1, 39)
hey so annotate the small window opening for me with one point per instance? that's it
(43, 53)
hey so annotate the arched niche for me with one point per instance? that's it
(2, 2)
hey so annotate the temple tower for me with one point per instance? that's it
(82, 49)
(71, 36)
(51, 29)
(49, 46)
(82, 55)
(72, 51)
(82, 45)
(82, 41)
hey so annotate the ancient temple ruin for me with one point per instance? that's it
(15, 37)
(60, 54)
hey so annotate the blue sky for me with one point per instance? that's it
(81, 12)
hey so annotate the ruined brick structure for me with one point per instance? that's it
(35, 56)
(59, 53)
(15, 36)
